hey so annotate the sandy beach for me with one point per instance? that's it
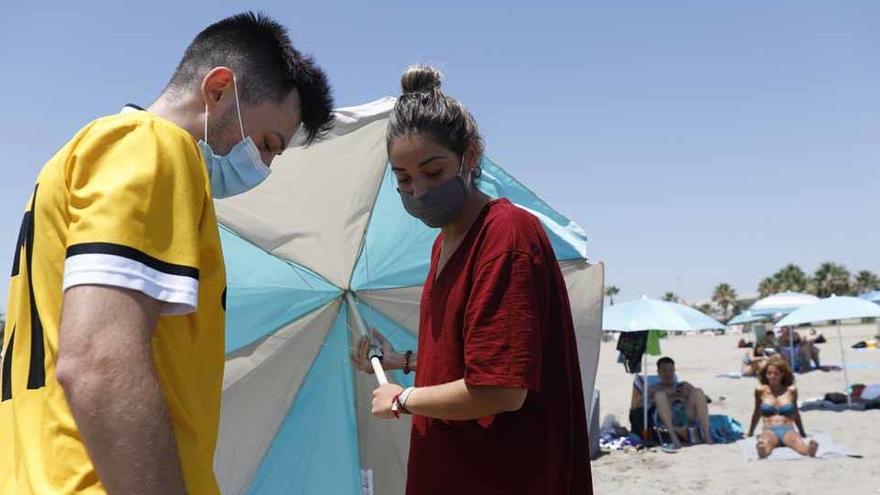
(722, 469)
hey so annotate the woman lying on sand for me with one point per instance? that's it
(776, 401)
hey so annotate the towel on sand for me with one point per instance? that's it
(828, 449)
(733, 374)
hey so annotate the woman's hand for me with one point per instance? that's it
(360, 355)
(383, 399)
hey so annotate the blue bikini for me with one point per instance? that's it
(786, 410)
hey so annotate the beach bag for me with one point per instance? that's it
(724, 429)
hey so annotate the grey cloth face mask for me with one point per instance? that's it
(439, 205)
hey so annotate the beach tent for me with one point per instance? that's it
(647, 314)
(323, 243)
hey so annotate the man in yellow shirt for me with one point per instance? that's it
(114, 340)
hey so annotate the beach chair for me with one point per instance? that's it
(658, 431)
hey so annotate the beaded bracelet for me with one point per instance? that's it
(406, 358)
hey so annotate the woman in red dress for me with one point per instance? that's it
(497, 405)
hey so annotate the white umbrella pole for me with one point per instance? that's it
(645, 395)
(376, 351)
(843, 363)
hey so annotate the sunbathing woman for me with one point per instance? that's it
(754, 360)
(776, 401)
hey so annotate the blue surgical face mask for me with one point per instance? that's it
(238, 171)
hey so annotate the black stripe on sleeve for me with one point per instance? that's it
(7, 368)
(135, 255)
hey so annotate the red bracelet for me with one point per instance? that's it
(396, 401)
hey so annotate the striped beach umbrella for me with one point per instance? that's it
(322, 245)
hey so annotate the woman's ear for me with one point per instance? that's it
(471, 161)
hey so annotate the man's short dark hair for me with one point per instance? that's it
(665, 360)
(266, 65)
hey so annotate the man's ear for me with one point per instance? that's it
(215, 89)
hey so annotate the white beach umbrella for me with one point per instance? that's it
(647, 314)
(834, 308)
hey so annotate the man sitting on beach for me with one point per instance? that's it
(768, 341)
(805, 350)
(754, 360)
(679, 404)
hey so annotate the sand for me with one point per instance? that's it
(721, 469)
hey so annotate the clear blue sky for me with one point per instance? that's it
(696, 142)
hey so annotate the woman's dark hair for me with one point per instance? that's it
(268, 67)
(782, 365)
(423, 108)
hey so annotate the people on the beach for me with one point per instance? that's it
(114, 363)
(803, 349)
(768, 341)
(754, 360)
(679, 404)
(776, 402)
(497, 405)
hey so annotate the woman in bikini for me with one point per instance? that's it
(776, 402)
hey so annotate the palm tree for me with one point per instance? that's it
(791, 278)
(767, 287)
(670, 297)
(611, 291)
(705, 308)
(831, 278)
(865, 281)
(725, 297)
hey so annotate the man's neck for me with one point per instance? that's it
(185, 111)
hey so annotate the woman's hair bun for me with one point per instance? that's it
(420, 79)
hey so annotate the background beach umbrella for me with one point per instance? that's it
(647, 314)
(778, 305)
(747, 317)
(873, 296)
(834, 308)
(322, 244)
(781, 304)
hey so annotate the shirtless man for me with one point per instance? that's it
(679, 403)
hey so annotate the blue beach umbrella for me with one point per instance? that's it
(834, 309)
(651, 314)
(781, 303)
(314, 255)
(747, 317)
(873, 296)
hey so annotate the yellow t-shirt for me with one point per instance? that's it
(125, 203)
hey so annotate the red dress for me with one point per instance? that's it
(498, 314)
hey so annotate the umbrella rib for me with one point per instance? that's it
(401, 324)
